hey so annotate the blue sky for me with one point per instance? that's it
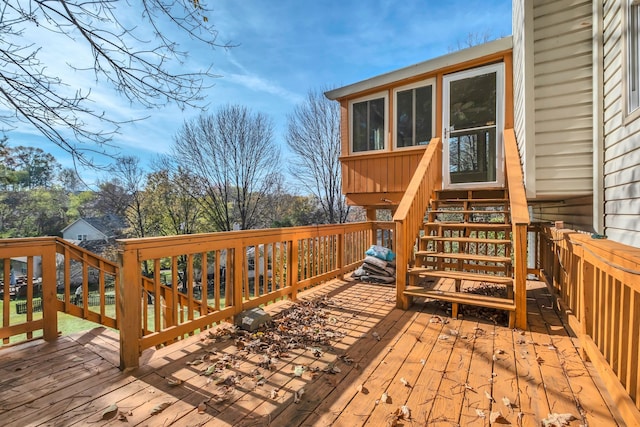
(285, 48)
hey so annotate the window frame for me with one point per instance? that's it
(632, 58)
(385, 142)
(422, 83)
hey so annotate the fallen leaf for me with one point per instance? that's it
(404, 382)
(480, 413)
(496, 417)
(384, 398)
(558, 420)
(298, 395)
(173, 382)
(110, 412)
(376, 335)
(443, 337)
(406, 412)
(298, 370)
(507, 402)
(202, 407)
(488, 396)
(160, 407)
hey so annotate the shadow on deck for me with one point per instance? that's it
(446, 371)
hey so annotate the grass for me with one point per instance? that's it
(67, 323)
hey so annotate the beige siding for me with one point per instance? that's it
(522, 16)
(563, 82)
(621, 138)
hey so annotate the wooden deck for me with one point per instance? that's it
(446, 371)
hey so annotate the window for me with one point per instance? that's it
(414, 116)
(82, 237)
(633, 56)
(369, 124)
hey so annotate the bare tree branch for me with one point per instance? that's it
(314, 137)
(141, 62)
(233, 159)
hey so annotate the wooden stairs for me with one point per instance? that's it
(466, 246)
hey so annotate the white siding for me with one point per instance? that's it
(522, 15)
(621, 138)
(563, 90)
(81, 228)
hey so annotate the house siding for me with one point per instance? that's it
(576, 213)
(563, 99)
(621, 137)
(82, 228)
(522, 113)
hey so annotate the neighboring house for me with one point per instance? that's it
(567, 82)
(94, 228)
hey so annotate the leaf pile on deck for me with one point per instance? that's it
(498, 317)
(307, 326)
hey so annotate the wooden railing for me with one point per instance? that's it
(64, 268)
(598, 287)
(173, 286)
(409, 216)
(519, 212)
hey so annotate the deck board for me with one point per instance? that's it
(449, 374)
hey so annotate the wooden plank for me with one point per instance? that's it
(464, 256)
(505, 382)
(356, 345)
(403, 366)
(463, 298)
(479, 378)
(461, 275)
(450, 396)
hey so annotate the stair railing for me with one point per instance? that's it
(519, 213)
(409, 216)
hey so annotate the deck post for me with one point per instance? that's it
(49, 297)
(520, 273)
(129, 308)
(402, 301)
(292, 266)
(340, 255)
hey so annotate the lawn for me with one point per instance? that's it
(67, 324)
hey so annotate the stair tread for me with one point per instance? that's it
(462, 200)
(486, 225)
(464, 256)
(462, 275)
(467, 240)
(462, 298)
(469, 211)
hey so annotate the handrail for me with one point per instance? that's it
(598, 289)
(217, 276)
(518, 208)
(519, 213)
(62, 263)
(409, 216)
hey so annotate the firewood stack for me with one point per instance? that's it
(378, 266)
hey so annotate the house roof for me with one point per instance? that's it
(109, 225)
(424, 67)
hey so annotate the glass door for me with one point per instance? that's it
(473, 121)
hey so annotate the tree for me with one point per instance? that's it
(233, 160)
(138, 213)
(136, 60)
(314, 138)
(177, 210)
(283, 209)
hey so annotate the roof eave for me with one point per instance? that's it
(424, 67)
